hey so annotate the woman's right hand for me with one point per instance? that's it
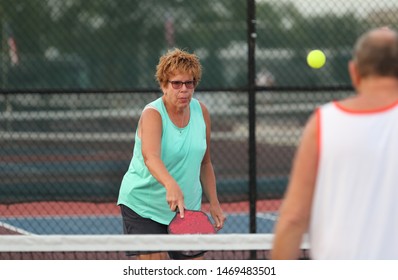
(175, 198)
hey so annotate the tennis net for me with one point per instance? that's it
(113, 247)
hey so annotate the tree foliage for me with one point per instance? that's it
(109, 44)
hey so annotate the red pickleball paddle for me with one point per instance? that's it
(194, 222)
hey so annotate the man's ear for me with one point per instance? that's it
(354, 74)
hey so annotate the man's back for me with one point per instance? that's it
(354, 205)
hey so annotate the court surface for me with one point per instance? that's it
(112, 224)
(104, 218)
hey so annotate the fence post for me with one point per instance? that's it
(251, 40)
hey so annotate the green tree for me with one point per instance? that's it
(111, 44)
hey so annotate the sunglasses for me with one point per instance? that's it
(178, 84)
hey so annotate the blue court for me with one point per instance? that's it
(112, 224)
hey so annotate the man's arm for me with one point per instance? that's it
(295, 211)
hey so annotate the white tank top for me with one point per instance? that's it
(355, 206)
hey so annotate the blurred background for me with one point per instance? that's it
(75, 75)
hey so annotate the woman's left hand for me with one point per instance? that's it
(218, 216)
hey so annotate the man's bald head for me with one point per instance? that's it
(376, 53)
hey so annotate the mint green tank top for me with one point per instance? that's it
(182, 151)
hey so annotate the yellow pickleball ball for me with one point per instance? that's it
(316, 59)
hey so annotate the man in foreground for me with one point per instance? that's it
(343, 187)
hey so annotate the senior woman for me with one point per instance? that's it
(171, 165)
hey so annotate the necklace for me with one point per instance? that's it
(182, 121)
(179, 121)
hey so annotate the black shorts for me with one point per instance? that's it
(135, 224)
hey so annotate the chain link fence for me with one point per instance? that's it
(75, 76)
